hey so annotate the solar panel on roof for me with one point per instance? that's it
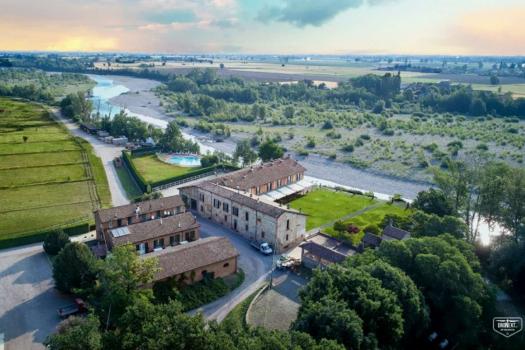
(121, 231)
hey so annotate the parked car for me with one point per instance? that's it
(78, 307)
(263, 247)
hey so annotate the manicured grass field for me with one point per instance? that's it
(47, 181)
(153, 170)
(323, 206)
(372, 217)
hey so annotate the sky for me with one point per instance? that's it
(442, 27)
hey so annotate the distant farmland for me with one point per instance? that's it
(48, 179)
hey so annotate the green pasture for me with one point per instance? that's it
(153, 170)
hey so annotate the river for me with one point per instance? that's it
(115, 93)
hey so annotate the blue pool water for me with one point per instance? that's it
(185, 161)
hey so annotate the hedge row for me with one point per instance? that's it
(143, 184)
(74, 230)
(145, 151)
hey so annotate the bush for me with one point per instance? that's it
(55, 241)
(310, 142)
(372, 228)
(348, 148)
(74, 268)
(327, 125)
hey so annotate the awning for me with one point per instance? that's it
(287, 190)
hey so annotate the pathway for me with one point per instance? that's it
(107, 153)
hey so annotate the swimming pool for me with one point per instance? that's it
(184, 160)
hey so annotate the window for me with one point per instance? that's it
(191, 236)
(288, 224)
(226, 265)
(129, 220)
(202, 208)
(246, 216)
(235, 211)
(225, 218)
(286, 237)
(217, 203)
(246, 228)
(225, 207)
(201, 197)
(119, 222)
(262, 234)
(174, 240)
(158, 243)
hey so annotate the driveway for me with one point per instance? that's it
(28, 299)
(107, 153)
(256, 268)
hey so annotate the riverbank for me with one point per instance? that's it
(143, 103)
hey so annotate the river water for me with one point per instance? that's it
(319, 169)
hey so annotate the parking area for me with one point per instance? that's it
(28, 299)
(277, 308)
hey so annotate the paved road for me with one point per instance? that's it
(28, 299)
(107, 153)
(256, 268)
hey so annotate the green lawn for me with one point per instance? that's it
(153, 170)
(44, 181)
(323, 206)
(374, 216)
(132, 191)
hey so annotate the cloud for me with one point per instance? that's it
(490, 31)
(171, 16)
(312, 12)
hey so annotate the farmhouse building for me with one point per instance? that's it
(322, 250)
(212, 257)
(163, 228)
(237, 201)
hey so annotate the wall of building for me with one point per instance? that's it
(259, 226)
(220, 269)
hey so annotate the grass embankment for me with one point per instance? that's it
(237, 316)
(48, 179)
(132, 191)
(324, 206)
(154, 170)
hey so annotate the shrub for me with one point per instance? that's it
(365, 137)
(310, 142)
(327, 125)
(55, 241)
(348, 148)
(372, 228)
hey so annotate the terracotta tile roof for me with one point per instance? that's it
(124, 211)
(262, 174)
(153, 229)
(271, 209)
(390, 232)
(187, 257)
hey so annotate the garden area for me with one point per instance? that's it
(353, 212)
(154, 170)
(49, 178)
(324, 206)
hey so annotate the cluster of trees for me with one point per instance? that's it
(77, 107)
(173, 141)
(397, 295)
(36, 85)
(464, 100)
(131, 127)
(126, 315)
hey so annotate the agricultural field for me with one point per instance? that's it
(153, 170)
(49, 179)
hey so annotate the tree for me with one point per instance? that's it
(513, 205)
(55, 241)
(377, 307)
(121, 279)
(76, 333)
(74, 268)
(270, 150)
(494, 80)
(433, 202)
(173, 141)
(25, 138)
(289, 112)
(209, 160)
(244, 151)
(432, 225)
